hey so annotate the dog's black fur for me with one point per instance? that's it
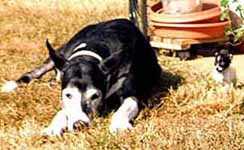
(126, 54)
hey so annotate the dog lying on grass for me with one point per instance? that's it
(108, 59)
(223, 72)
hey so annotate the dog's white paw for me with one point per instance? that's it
(9, 86)
(53, 131)
(57, 126)
(122, 117)
(119, 124)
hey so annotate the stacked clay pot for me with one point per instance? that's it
(203, 22)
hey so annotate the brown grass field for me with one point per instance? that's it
(189, 112)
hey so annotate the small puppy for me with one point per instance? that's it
(223, 72)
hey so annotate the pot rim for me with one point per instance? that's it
(193, 25)
(213, 12)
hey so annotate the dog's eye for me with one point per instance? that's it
(68, 95)
(95, 96)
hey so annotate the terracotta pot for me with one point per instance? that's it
(210, 13)
(190, 31)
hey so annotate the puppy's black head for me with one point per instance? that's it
(222, 60)
(83, 83)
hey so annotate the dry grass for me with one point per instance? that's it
(197, 114)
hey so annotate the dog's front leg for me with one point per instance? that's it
(58, 124)
(122, 117)
(217, 76)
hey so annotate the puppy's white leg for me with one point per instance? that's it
(57, 125)
(217, 76)
(122, 117)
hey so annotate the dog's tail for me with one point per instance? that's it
(27, 77)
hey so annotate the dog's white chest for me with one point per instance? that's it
(217, 76)
(227, 76)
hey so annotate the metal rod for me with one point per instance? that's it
(144, 21)
(138, 14)
(133, 9)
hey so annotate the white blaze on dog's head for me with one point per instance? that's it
(71, 101)
(71, 98)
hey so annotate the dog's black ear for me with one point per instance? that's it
(111, 62)
(108, 65)
(58, 60)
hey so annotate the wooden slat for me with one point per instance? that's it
(179, 44)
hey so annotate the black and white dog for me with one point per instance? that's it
(223, 72)
(108, 59)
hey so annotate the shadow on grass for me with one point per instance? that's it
(166, 82)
